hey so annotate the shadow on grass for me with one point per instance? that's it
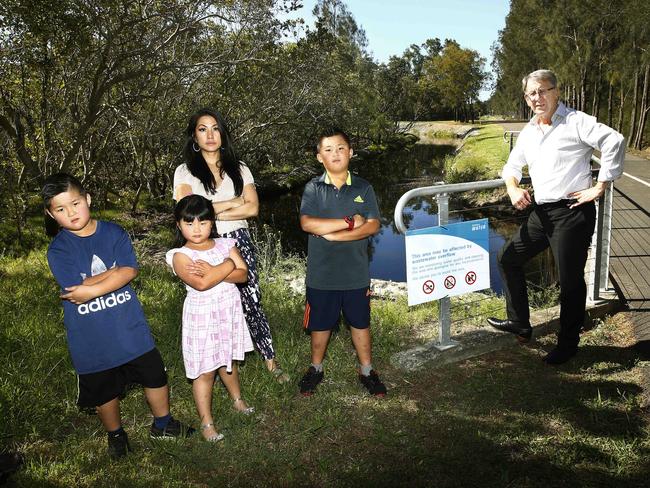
(504, 421)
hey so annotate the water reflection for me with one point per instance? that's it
(391, 176)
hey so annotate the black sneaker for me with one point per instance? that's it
(373, 384)
(174, 430)
(310, 381)
(118, 445)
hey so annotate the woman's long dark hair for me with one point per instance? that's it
(193, 207)
(230, 163)
(52, 186)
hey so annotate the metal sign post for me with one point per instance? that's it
(444, 304)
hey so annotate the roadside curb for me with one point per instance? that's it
(485, 340)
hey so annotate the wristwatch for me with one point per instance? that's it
(349, 219)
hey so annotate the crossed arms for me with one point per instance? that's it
(337, 229)
(101, 284)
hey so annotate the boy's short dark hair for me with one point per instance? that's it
(331, 132)
(53, 186)
(59, 183)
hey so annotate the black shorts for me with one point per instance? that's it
(96, 389)
(323, 308)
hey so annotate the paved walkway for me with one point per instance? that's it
(630, 252)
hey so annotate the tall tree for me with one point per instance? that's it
(458, 75)
(599, 49)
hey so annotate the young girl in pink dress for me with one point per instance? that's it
(215, 334)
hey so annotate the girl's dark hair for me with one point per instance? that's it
(230, 163)
(193, 207)
(52, 186)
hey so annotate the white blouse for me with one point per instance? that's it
(225, 191)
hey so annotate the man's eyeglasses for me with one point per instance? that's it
(538, 93)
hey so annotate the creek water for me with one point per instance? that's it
(391, 175)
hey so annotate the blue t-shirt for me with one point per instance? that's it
(111, 329)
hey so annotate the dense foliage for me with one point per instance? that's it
(600, 50)
(104, 89)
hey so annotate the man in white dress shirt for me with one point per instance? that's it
(556, 145)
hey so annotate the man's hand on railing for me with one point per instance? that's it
(519, 197)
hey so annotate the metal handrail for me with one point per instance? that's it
(511, 134)
(598, 272)
(440, 188)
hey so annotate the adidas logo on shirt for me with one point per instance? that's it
(359, 199)
(101, 303)
(97, 266)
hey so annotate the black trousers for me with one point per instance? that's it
(568, 232)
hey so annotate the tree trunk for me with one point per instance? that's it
(643, 111)
(635, 102)
(136, 197)
(610, 106)
(14, 130)
(574, 100)
(595, 101)
(621, 106)
(583, 94)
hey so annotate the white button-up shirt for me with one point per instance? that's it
(558, 157)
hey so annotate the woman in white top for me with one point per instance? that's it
(213, 170)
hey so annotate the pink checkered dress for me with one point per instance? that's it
(214, 331)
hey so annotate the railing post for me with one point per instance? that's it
(598, 272)
(607, 202)
(444, 304)
(593, 286)
(509, 137)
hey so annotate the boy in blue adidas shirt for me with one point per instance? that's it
(339, 211)
(108, 336)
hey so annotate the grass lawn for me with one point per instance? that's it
(430, 131)
(503, 419)
(481, 157)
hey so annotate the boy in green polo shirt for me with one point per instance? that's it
(339, 211)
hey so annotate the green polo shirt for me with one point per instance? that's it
(338, 265)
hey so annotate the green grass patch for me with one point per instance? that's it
(440, 134)
(481, 156)
(502, 419)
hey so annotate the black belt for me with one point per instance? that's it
(560, 203)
